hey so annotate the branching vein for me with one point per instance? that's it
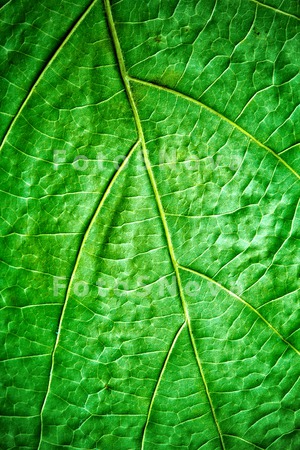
(244, 440)
(49, 63)
(205, 277)
(159, 380)
(280, 11)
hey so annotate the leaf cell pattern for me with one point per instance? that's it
(150, 225)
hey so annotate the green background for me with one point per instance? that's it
(150, 253)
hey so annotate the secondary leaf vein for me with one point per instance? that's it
(58, 50)
(280, 11)
(80, 250)
(158, 382)
(216, 113)
(205, 277)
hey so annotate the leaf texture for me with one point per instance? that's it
(150, 225)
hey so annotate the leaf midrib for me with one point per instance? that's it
(126, 81)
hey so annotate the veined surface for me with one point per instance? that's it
(150, 225)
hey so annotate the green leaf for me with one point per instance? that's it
(150, 225)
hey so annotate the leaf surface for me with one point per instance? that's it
(150, 225)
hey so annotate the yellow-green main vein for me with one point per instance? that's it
(131, 100)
